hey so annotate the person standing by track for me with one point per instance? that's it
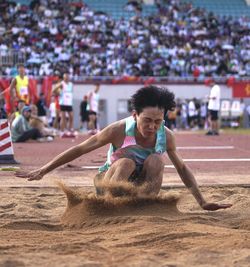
(19, 87)
(65, 92)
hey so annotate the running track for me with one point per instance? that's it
(214, 160)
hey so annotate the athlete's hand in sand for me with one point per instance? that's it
(215, 206)
(30, 175)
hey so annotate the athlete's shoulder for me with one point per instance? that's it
(113, 133)
(170, 136)
(118, 125)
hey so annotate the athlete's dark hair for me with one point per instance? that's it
(20, 65)
(153, 96)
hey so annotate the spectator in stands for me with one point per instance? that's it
(136, 156)
(180, 42)
(134, 5)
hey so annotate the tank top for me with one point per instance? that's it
(94, 100)
(22, 88)
(66, 94)
(130, 149)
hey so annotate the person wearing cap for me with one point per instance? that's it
(21, 129)
(18, 111)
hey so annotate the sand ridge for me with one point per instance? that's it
(82, 206)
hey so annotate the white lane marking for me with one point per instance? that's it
(186, 160)
(209, 160)
(169, 166)
(90, 167)
(215, 160)
(205, 147)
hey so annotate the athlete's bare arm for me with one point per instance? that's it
(56, 88)
(13, 84)
(111, 134)
(187, 176)
(12, 93)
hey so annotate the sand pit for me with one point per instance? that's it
(40, 227)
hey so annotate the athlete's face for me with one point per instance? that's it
(66, 77)
(20, 105)
(149, 121)
(21, 70)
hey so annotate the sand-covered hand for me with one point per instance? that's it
(30, 175)
(215, 206)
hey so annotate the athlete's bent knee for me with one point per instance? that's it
(126, 164)
(154, 161)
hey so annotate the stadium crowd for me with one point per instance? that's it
(179, 40)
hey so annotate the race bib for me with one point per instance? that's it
(24, 91)
(67, 99)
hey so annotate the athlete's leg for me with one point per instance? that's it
(119, 171)
(152, 174)
(70, 120)
(63, 121)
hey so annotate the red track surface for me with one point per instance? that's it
(34, 155)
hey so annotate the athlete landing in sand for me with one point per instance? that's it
(137, 144)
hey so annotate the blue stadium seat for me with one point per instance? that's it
(233, 8)
(22, 2)
(116, 8)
